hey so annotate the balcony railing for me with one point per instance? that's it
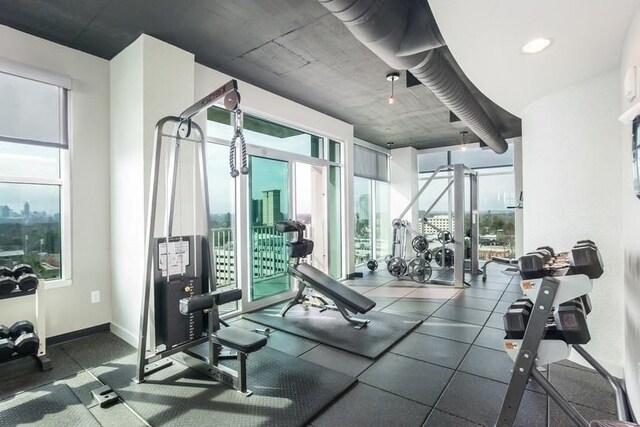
(270, 257)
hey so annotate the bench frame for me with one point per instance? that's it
(312, 300)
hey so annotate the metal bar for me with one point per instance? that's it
(438, 229)
(458, 225)
(424, 187)
(451, 181)
(475, 226)
(209, 100)
(242, 372)
(621, 397)
(172, 174)
(561, 401)
(27, 141)
(148, 256)
(525, 359)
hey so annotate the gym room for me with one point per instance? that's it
(320, 213)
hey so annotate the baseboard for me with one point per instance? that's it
(70, 336)
(121, 332)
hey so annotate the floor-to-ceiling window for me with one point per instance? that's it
(496, 197)
(372, 226)
(293, 174)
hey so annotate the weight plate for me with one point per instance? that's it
(6, 271)
(372, 265)
(21, 327)
(28, 282)
(27, 344)
(6, 349)
(21, 269)
(7, 284)
(420, 244)
(419, 270)
(397, 267)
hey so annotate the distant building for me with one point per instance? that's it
(27, 211)
(270, 207)
(5, 211)
(439, 221)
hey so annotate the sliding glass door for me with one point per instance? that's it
(268, 204)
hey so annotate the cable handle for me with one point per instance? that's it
(237, 135)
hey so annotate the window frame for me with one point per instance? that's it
(63, 181)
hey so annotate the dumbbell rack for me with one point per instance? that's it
(40, 325)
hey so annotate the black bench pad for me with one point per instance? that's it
(240, 339)
(333, 289)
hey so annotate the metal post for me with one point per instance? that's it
(148, 256)
(525, 360)
(621, 398)
(561, 401)
(458, 225)
(475, 228)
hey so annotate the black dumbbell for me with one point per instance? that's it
(586, 260)
(586, 303)
(372, 265)
(7, 349)
(545, 254)
(571, 321)
(6, 272)
(7, 285)
(517, 317)
(547, 248)
(25, 340)
(4, 332)
(21, 269)
(532, 266)
(27, 282)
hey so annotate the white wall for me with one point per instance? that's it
(69, 308)
(571, 181)
(150, 79)
(404, 183)
(631, 228)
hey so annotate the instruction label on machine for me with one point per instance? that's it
(173, 258)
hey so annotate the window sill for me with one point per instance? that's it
(59, 283)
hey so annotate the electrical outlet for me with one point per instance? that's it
(95, 297)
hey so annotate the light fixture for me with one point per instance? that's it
(463, 146)
(392, 77)
(536, 45)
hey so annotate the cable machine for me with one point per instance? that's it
(454, 248)
(179, 293)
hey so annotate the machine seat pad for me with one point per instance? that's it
(330, 287)
(240, 339)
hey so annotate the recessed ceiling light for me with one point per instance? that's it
(536, 45)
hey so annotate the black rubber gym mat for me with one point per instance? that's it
(330, 328)
(49, 405)
(287, 391)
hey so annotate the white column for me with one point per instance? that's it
(150, 79)
(571, 181)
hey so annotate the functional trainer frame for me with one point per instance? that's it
(156, 358)
(402, 229)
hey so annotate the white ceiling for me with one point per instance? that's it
(485, 37)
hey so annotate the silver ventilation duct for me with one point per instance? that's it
(404, 34)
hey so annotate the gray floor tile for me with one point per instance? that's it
(367, 406)
(462, 314)
(415, 306)
(470, 301)
(480, 399)
(405, 282)
(432, 349)
(483, 293)
(489, 284)
(450, 329)
(491, 338)
(492, 364)
(24, 374)
(511, 296)
(442, 419)
(413, 379)
(116, 416)
(97, 349)
(408, 314)
(382, 302)
(290, 344)
(557, 418)
(572, 384)
(502, 307)
(338, 360)
(496, 321)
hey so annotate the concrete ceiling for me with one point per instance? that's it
(294, 48)
(587, 41)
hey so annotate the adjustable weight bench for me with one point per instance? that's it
(345, 299)
(510, 270)
(240, 340)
